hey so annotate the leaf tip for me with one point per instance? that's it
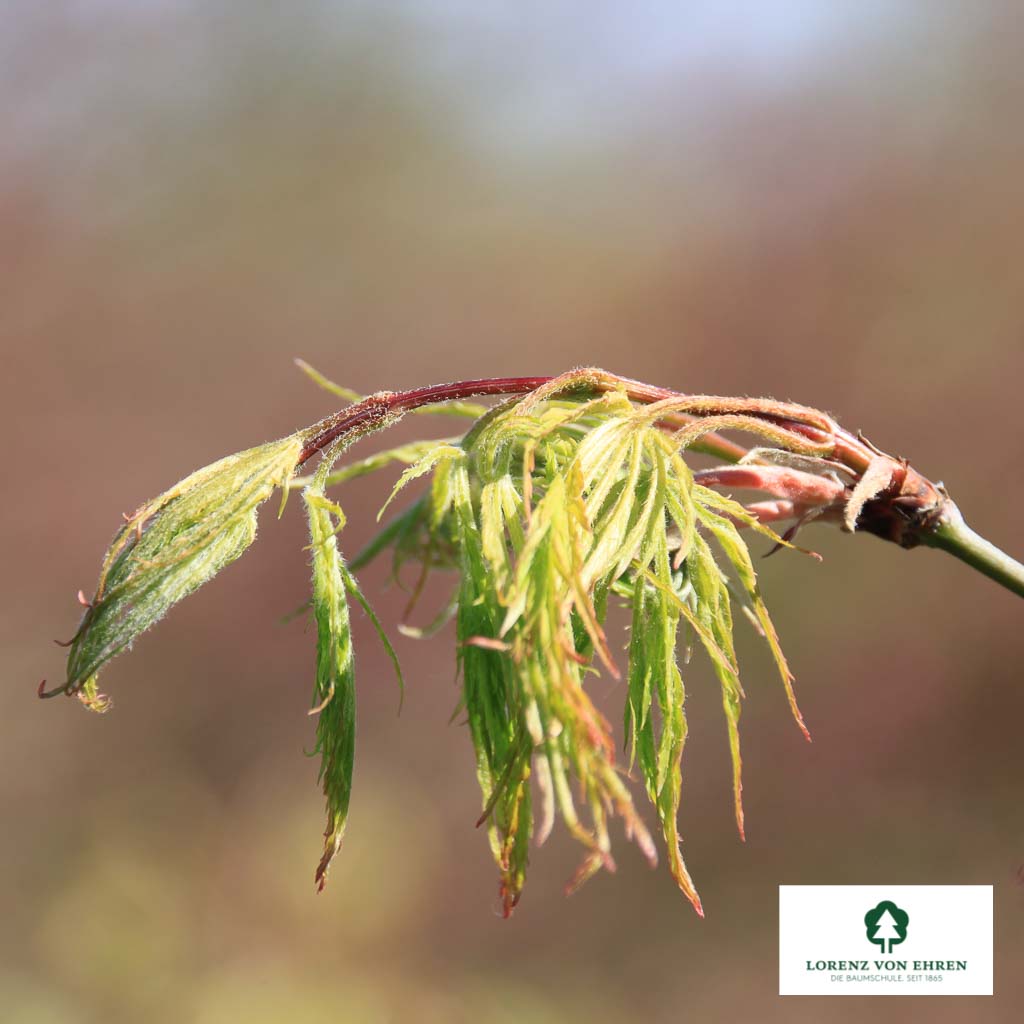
(332, 844)
(92, 699)
(801, 724)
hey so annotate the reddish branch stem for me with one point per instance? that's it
(371, 411)
(387, 404)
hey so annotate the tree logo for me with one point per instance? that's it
(886, 925)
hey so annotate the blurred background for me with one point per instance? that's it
(820, 202)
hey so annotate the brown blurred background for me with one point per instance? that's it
(821, 202)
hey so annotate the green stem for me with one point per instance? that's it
(952, 534)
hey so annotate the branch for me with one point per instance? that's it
(574, 489)
(952, 534)
(888, 498)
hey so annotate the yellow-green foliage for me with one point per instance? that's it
(554, 508)
(334, 695)
(168, 548)
(550, 509)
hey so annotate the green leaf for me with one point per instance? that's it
(328, 385)
(438, 453)
(170, 547)
(352, 586)
(334, 698)
(407, 453)
(736, 551)
(549, 505)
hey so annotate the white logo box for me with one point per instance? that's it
(826, 948)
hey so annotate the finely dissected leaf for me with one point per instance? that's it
(728, 537)
(654, 678)
(411, 537)
(532, 547)
(407, 453)
(326, 383)
(438, 453)
(171, 546)
(549, 505)
(353, 588)
(334, 697)
(495, 707)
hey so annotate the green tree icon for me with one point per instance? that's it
(886, 925)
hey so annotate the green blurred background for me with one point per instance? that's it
(820, 202)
